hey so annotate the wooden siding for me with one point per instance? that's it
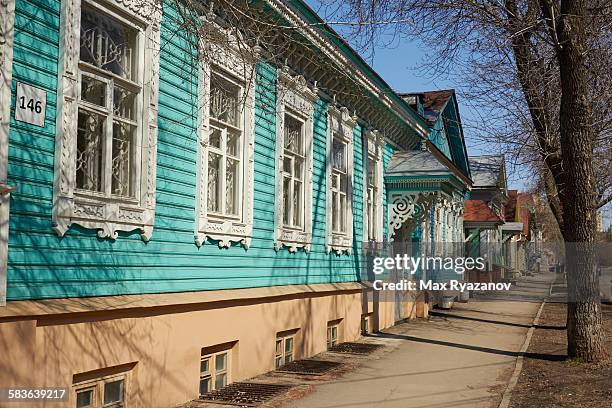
(42, 265)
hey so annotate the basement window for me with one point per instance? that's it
(332, 336)
(103, 392)
(284, 350)
(214, 371)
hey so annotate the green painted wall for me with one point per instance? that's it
(455, 136)
(438, 136)
(42, 265)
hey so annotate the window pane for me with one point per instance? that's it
(233, 144)
(124, 103)
(220, 381)
(278, 361)
(279, 346)
(224, 100)
(335, 180)
(205, 384)
(287, 167)
(84, 399)
(293, 134)
(106, 43)
(334, 211)
(343, 183)
(214, 172)
(215, 138)
(113, 392)
(299, 168)
(297, 203)
(231, 186)
(122, 159)
(339, 155)
(286, 201)
(93, 91)
(204, 365)
(371, 172)
(289, 345)
(342, 213)
(221, 361)
(288, 358)
(89, 151)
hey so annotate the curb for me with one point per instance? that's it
(505, 402)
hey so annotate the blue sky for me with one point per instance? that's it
(397, 64)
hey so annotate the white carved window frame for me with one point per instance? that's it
(71, 206)
(226, 62)
(293, 95)
(373, 149)
(340, 125)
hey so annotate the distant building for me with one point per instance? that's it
(484, 214)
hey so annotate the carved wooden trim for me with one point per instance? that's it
(373, 144)
(108, 216)
(225, 230)
(292, 92)
(340, 123)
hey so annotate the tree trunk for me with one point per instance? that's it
(584, 328)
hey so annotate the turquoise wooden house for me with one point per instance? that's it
(171, 224)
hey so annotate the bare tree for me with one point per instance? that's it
(539, 71)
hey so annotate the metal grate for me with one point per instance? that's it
(355, 348)
(245, 394)
(309, 367)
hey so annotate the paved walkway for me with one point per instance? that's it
(459, 358)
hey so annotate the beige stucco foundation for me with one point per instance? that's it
(160, 341)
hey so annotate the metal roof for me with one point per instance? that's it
(415, 163)
(486, 170)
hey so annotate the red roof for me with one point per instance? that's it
(435, 100)
(478, 210)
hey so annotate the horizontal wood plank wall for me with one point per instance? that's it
(42, 265)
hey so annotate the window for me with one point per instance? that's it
(339, 186)
(340, 179)
(214, 372)
(284, 350)
(109, 94)
(373, 215)
(106, 392)
(294, 133)
(105, 145)
(225, 151)
(371, 196)
(293, 172)
(332, 336)
(225, 168)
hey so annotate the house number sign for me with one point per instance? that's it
(30, 104)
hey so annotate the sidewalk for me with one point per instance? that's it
(459, 358)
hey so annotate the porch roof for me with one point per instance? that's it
(416, 162)
(421, 170)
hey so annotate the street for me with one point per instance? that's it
(458, 358)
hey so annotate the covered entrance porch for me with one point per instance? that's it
(425, 220)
